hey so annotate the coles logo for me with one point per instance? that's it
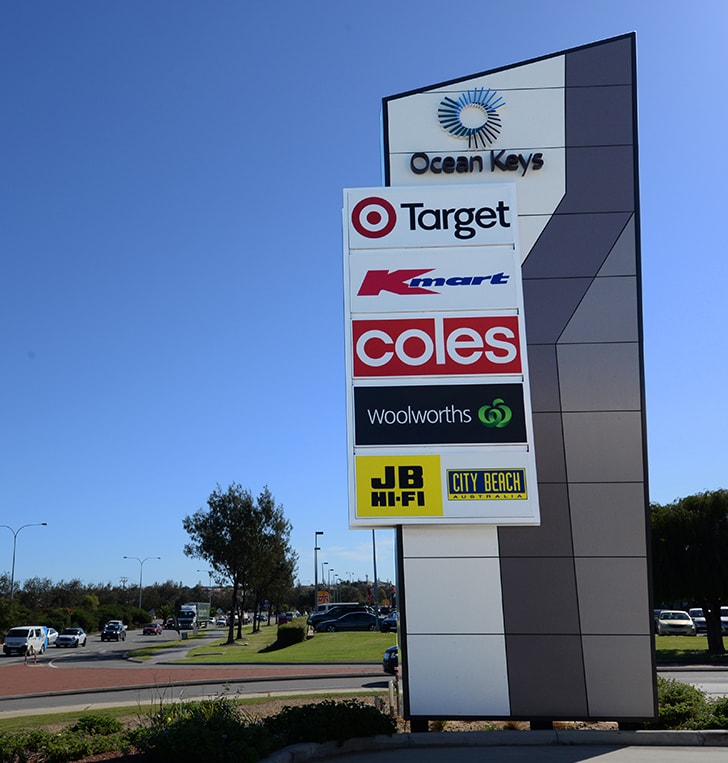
(463, 345)
(373, 217)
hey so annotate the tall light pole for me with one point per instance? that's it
(316, 549)
(331, 593)
(209, 585)
(323, 573)
(15, 543)
(141, 568)
(376, 580)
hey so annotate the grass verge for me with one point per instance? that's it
(260, 648)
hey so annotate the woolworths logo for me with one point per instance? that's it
(497, 415)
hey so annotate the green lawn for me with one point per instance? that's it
(260, 648)
(688, 650)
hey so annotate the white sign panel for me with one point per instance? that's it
(446, 278)
(391, 218)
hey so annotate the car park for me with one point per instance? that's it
(152, 629)
(390, 661)
(672, 622)
(113, 631)
(73, 637)
(698, 617)
(352, 621)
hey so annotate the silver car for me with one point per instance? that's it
(673, 622)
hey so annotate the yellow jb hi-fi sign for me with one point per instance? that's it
(403, 486)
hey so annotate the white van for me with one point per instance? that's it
(23, 637)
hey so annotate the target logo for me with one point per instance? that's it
(373, 217)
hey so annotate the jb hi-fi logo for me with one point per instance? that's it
(398, 485)
(375, 217)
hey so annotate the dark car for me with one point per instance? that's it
(74, 637)
(389, 624)
(335, 612)
(152, 629)
(390, 661)
(353, 621)
(113, 632)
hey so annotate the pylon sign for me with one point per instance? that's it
(438, 398)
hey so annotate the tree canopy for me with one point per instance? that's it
(246, 542)
(689, 560)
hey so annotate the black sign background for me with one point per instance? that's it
(437, 414)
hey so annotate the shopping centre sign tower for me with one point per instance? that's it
(496, 392)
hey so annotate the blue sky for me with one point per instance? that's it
(172, 303)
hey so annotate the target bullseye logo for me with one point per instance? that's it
(373, 217)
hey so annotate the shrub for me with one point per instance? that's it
(290, 634)
(328, 721)
(680, 706)
(214, 729)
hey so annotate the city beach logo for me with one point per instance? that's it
(473, 116)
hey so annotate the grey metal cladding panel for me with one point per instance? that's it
(543, 374)
(613, 595)
(539, 595)
(608, 519)
(603, 447)
(599, 116)
(599, 179)
(551, 538)
(546, 677)
(599, 377)
(548, 440)
(607, 313)
(549, 304)
(574, 246)
(620, 677)
(608, 63)
(622, 260)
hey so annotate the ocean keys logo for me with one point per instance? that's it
(473, 116)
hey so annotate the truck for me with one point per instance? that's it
(194, 614)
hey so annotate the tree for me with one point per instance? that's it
(689, 539)
(245, 541)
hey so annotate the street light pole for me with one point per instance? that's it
(15, 543)
(141, 568)
(316, 549)
(209, 585)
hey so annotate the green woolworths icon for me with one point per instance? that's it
(495, 416)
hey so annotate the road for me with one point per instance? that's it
(100, 675)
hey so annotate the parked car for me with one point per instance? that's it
(74, 637)
(152, 629)
(335, 612)
(697, 616)
(674, 622)
(390, 661)
(389, 623)
(353, 621)
(724, 620)
(51, 636)
(113, 631)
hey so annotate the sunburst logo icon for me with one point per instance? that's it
(474, 115)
